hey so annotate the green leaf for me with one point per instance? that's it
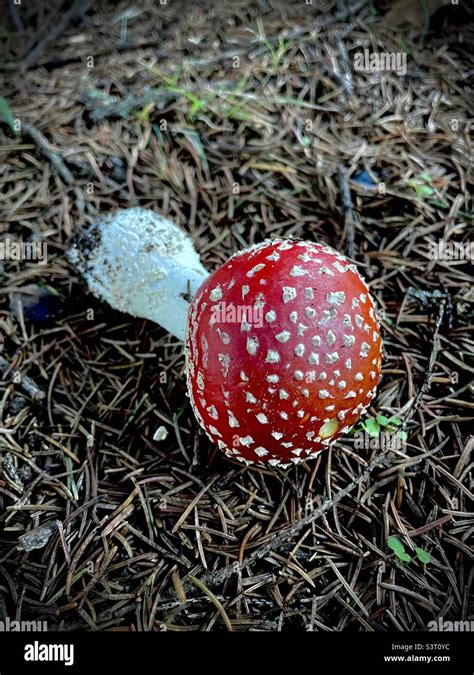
(424, 190)
(6, 114)
(423, 556)
(440, 205)
(237, 113)
(371, 426)
(49, 288)
(403, 44)
(382, 420)
(395, 421)
(396, 545)
(404, 557)
(197, 105)
(144, 113)
(403, 435)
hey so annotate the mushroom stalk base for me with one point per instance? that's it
(140, 263)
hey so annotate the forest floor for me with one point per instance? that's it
(239, 121)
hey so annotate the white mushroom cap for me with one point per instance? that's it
(140, 263)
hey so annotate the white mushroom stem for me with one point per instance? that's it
(141, 263)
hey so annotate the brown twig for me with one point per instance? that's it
(281, 539)
(431, 363)
(26, 383)
(429, 526)
(77, 9)
(347, 209)
(42, 142)
(102, 105)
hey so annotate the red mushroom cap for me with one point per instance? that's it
(283, 351)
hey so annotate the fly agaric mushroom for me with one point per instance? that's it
(283, 347)
(283, 351)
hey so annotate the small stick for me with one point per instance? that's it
(103, 105)
(346, 75)
(25, 382)
(279, 540)
(77, 9)
(15, 17)
(429, 526)
(429, 373)
(348, 210)
(41, 140)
